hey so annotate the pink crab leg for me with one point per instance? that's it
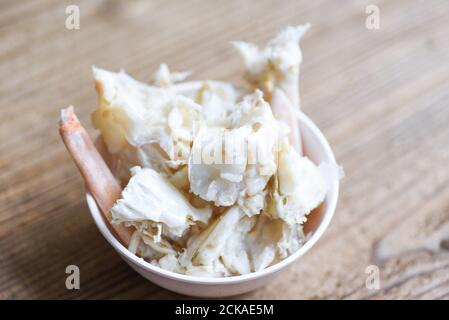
(284, 110)
(97, 176)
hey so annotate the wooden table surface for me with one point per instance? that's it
(380, 96)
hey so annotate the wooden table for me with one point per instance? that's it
(380, 96)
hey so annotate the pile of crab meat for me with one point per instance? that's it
(215, 183)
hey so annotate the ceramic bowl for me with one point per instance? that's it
(317, 149)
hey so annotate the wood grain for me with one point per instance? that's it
(380, 96)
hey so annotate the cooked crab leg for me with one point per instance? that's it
(275, 70)
(284, 110)
(97, 176)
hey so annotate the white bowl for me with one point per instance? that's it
(317, 149)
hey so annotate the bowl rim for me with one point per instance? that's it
(331, 199)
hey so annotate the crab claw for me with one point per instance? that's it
(97, 176)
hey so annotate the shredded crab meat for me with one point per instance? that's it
(229, 164)
(215, 182)
(151, 197)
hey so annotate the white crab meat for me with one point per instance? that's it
(220, 249)
(218, 101)
(277, 65)
(149, 197)
(216, 184)
(135, 113)
(235, 253)
(163, 77)
(233, 164)
(300, 186)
